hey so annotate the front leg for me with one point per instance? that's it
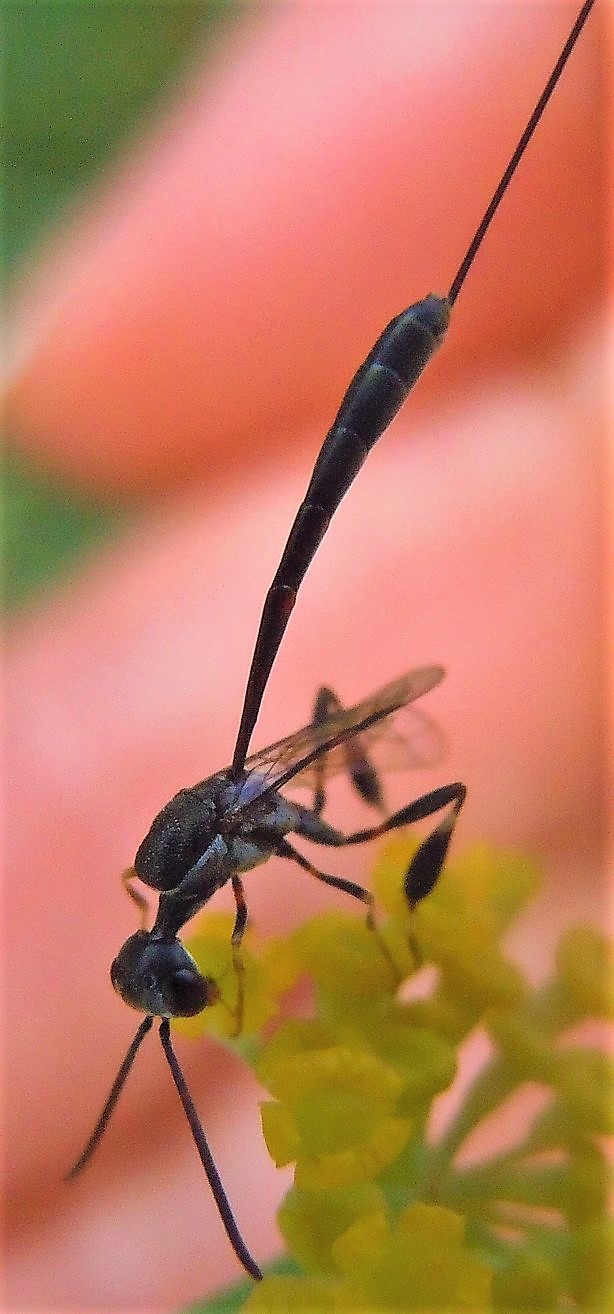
(235, 942)
(128, 877)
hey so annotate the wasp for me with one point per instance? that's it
(213, 832)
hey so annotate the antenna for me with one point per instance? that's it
(200, 1140)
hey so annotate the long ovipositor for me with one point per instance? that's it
(376, 393)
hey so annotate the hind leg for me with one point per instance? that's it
(360, 769)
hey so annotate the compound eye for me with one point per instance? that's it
(187, 992)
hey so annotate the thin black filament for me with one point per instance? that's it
(206, 1158)
(498, 194)
(116, 1090)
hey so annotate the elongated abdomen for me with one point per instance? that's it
(374, 396)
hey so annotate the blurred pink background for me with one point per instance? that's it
(187, 341)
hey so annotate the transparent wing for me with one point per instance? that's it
(405, 740)
(294, 757)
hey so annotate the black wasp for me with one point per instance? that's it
(236, 819)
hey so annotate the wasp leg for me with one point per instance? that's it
(237, 961)
(285, 850)
(361, 771)
(326, 702)
(139, 899)
(427, 863)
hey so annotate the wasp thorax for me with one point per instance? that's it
(176, 839)
(160, 977)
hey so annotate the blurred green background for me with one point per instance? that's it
(81, 77)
